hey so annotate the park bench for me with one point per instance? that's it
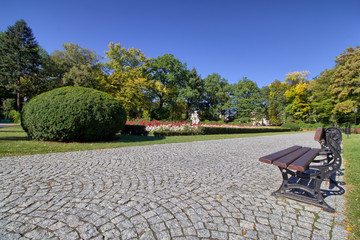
(304, 169)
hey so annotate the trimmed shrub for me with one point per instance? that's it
(291, 125)
(73, 114)
(135, 130)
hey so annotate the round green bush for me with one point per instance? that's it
(291, 125)
(73, 114)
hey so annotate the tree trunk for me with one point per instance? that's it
(18, 102)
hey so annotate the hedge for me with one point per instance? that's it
(223, 130)
(135, 130)
(219, 130)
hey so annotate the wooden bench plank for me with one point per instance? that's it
(301, 163)
(286, 160)
(274, 156)
(319, 134)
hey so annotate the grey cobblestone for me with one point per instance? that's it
(208, 190)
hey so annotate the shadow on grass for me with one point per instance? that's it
(13, 138)
(135, 138)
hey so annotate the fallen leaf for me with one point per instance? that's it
(219, 197)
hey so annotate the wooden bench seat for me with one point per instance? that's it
(297, 161)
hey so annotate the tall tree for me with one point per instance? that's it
(75, 66)
(126, 79)
(298, 96)
(277, 102)
(19, 58)
(345, 81)
(321, 101)
(246, 100)
(216, 96)
(168, 75)
(192, 93)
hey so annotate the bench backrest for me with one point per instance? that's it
(327, 137)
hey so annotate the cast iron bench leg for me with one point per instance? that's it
(316, 199)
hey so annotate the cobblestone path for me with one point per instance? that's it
(201, 190)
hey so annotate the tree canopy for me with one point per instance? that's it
(164, 88)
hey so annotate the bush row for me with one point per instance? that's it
(135, 130)
(219, 130)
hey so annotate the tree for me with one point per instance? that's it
(168, 75)
(126, 79)
(216, 96)
(345, 81)
(75, 66)
(20, 58)
(277, 102)
(321, 101)
(246, 100)
(298, 95)
(192, 93)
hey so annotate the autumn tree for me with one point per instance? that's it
(19, 58)
(345, 82)
(126, 79)
(298, 107)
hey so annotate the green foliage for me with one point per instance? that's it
(291, 125)
(126, 80)
(321, 100)
(216, 97)
(168, 75)
(246, 100)
(7, 106)
(73, 114)
(75, 66)
(15, 116)
(160, 113)
(345, 81)
(192, 93)
(20, 58)
(139, 130)
(277, 102)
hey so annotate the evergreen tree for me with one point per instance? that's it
(19, 58)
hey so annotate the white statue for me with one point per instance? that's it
(195, 118)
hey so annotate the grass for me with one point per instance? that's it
(14, 142)
(352, 178)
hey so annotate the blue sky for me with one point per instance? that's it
(262, 40)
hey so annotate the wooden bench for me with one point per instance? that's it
(303, 169)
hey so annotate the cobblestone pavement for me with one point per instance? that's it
(201, 190)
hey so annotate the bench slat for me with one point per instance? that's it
(274, 156)
(301, 163)
(319, 134)
(286, 160)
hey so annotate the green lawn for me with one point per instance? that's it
(14, 142)
(352, 179)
